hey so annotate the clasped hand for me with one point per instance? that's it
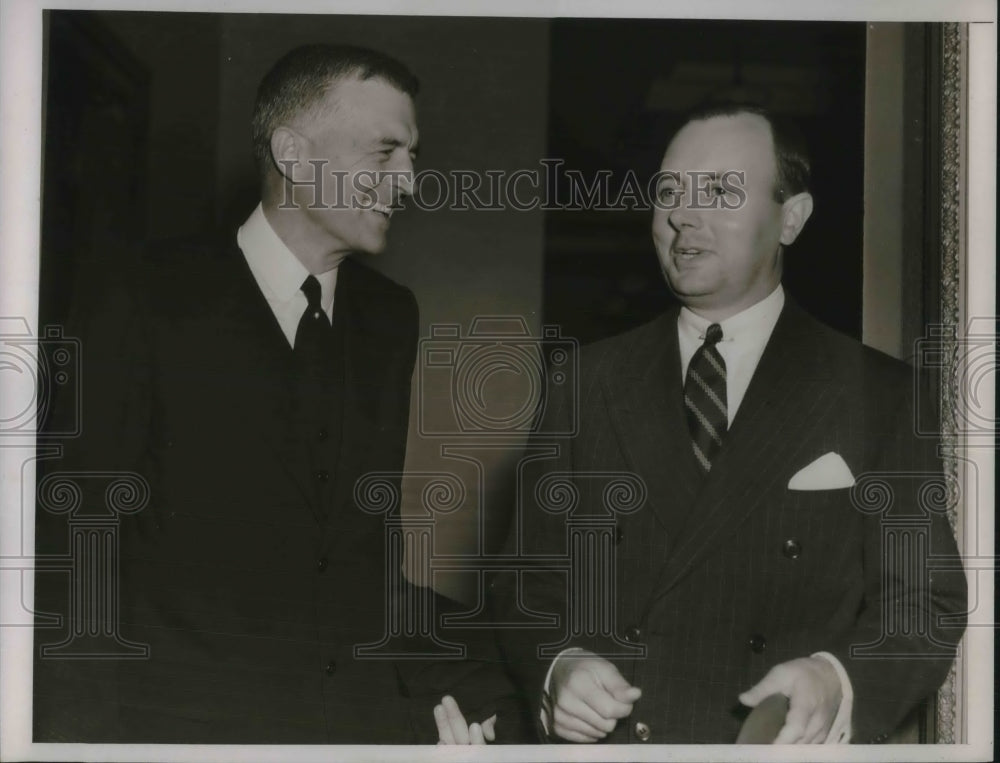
(589, 697)
(453, 728)
(814, 694)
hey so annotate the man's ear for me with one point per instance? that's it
(794, 212)
(286, 151)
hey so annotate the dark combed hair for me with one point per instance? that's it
(790, 149)
(302, 77)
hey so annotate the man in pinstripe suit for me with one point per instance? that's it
(753, 568)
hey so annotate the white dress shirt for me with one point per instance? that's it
(744, 337)
(280, 274)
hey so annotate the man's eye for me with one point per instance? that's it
(668, 194)
(717, 190)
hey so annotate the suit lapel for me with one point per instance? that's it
(645, 402)
(787, 399)
(258, 357)
(365, 343)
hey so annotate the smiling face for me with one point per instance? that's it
(718, 260)
(359, 144)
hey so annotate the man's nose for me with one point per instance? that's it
(684, 215)
(404, 187)
(403, 177)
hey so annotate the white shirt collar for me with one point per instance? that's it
(744, 337)
(278, 272)
(752, 325)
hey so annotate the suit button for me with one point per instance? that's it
(322, 564)
(791, 548)
(331, 667)
(618, 536)
(323, 435)
(757, 643)
(642, 731)
(322, 475)
(633, 634)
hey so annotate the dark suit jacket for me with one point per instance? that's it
(250, 582)
(726, 576)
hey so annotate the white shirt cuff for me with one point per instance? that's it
(546, 710)
(840, 731)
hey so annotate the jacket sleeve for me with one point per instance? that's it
(915, 599)
(546, 492)
(480, 683)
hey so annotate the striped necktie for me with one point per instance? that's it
(705, 398)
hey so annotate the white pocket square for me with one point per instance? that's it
(828, 472)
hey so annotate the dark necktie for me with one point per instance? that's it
(705, 398)
(314, 391)
(314, 323)
(313, 338)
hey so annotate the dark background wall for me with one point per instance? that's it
(618, 90)
(180, 52)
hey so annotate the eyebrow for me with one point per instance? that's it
(678, 176)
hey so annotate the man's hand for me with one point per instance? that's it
(453, 729)
(589, 696)
(813, 690)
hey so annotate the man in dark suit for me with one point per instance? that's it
(759, 563)
(250, 382)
